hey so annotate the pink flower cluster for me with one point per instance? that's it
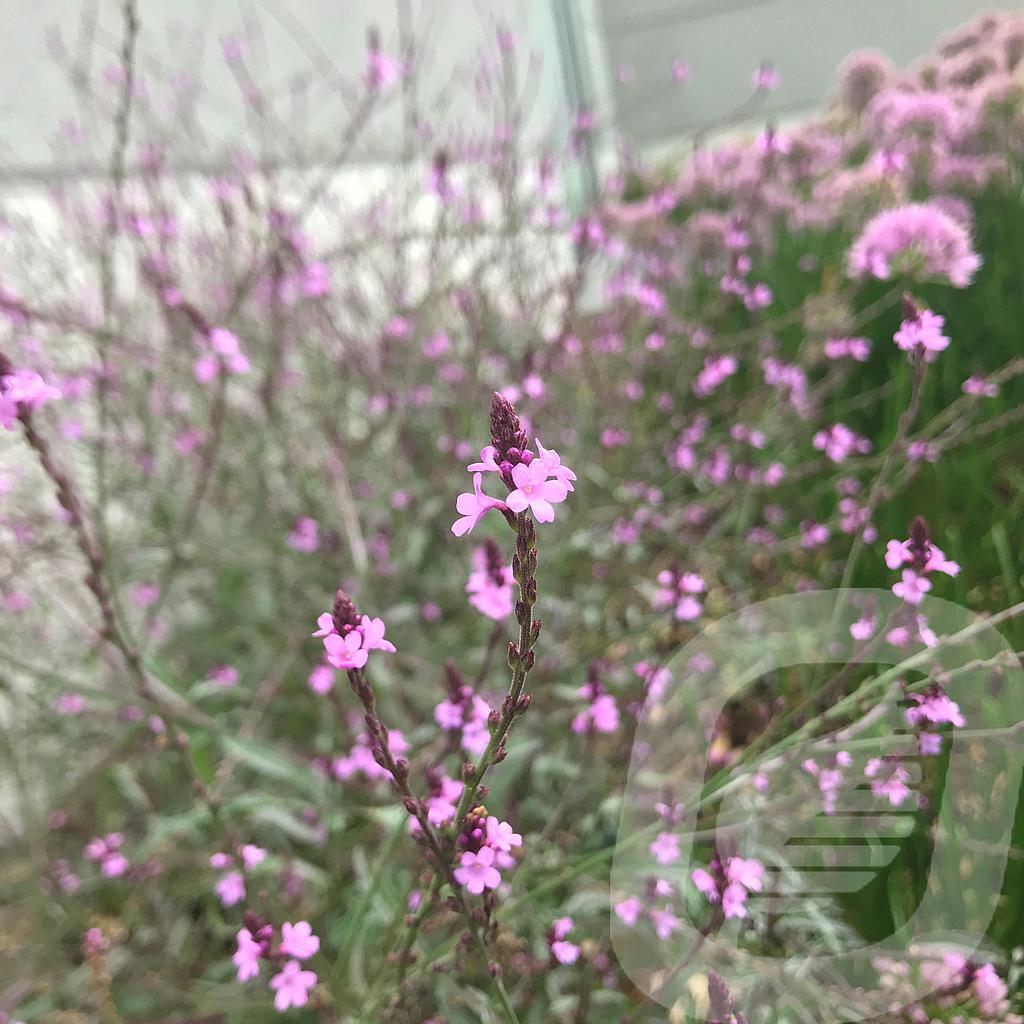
(305, 535)
(351, 650)
(466, 711)
(731, 883)
(224, 351)
(23, 389)
(255, 942)
(923, 558)
(230, 887)
(928, 711)
(106, 851)
(601, 713)
(536, 482)
(888, 779)
(564, 952)
(360, 759)
(839, 441)
(848, 348)
(491, 844)
(490, 584)
(917, 239)
(921, 334)
(829, 778)
(679, 591)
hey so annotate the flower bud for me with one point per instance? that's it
(343, 613)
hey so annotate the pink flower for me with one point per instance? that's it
(552, 462)
(113, 865)
(990, 991)
(252, 856)
(918, 239)
(346, 651)
(665, 923)
(665, 849)
(628, 911)
(298, 940)
(501, 836)
(247, 956)
(705, 884)
(734, 900)
(488, 461)
(325, 624)
(888, 780)
(745, 872)
(69, 704)
(27, 389)
(373, 635)
(226, 675)
(912, 587)
(922, 333)
(292, 986)
(473, 507)
(863, 628)
(979, 386)
(535, 491)
(477, 872)
(564, 952)
(321, 679)
(230, 889)
(305, 536)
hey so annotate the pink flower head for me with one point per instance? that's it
(230, 889)
(665, 923)
(535, 491)
(346, 651)
(705, 884)
(628, 911)
(888, 781)
(920, 239)
(488, 461)
(473, 507)
(252, 856)
(247, 956)
(745, 872)
(922, 333)
(734, 900)
(27, 389)
(292, 985)
(553, 464)
(325, 624)
(501, 836)
(665, 849)
(564, 952)
(373, 635)
(476, 871)
(321, 679)
(912, 587)
(298, 940)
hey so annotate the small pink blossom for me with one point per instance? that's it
(298, 940)
(473, 507)
(346, 652)
(476, 871)
(230, 889)
(534, 491)
(247, 956)
(292, 985)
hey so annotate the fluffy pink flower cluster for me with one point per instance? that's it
(839, 441)
(679, 591)
(662, 919)
(601, 713)
(848, 348)
(536, 482)
(230, 887)
(292, 985)
(223, 351)
(731, 883)
(918, 239)
(351, 650)
(23, 388)
(914, 582)
(921, 333)
(491, 844)
(106, 851)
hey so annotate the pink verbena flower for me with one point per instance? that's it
(490, 584)
(347, 651)
(305, 536)
(252, 856)
(665, 849)
(839, 441)
(552, 462)
(473, 507)
(476, 871)
(247, 956)
(230, 889)
(298, 940)
(564, 952)
(292, 986)
(534, 491)
(372, 631)
(628, 911)
(922, 333)
(888, 781)
(27, 389)
(912, 587)
(919, 239)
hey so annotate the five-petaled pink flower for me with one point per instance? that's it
(292, 985)
(473, 507)
(535, 491)
(476, 871)
(346, 651)
(247, 956)
(298, 940)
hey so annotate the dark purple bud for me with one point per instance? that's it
(523, 704)
(344, 613)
